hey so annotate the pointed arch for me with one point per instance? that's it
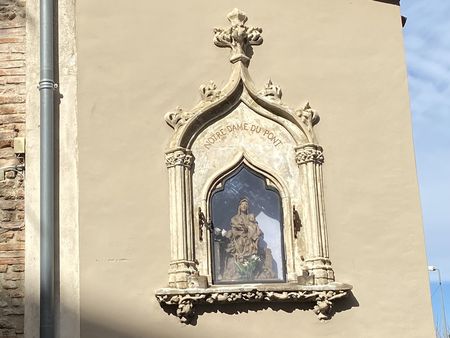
(247, 239)
(217, 105)
(240, 159)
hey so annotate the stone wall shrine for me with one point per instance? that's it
(247, 218)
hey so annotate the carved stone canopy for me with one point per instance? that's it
(240, 126)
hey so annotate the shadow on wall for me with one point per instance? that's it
(94, 327)
(97, 329)
(344, 304)
(392, 2)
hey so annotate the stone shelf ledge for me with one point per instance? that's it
(186, 299)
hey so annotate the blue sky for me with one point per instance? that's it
(427, 44)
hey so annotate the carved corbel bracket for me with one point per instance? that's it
(185, 304)
(324, 304)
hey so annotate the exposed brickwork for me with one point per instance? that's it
(12, 124)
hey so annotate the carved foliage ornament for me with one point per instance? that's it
(272, 91)
(239, 37)
(308, 115)
(179, 158)
(186, 302)
(177, 118)
(308, 154)
(208, 93)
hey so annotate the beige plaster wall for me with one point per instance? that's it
(137, 60)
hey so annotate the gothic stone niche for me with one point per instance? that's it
(247, 218)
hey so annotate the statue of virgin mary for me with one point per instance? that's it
(245, 257)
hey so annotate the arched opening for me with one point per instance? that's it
(247, 237)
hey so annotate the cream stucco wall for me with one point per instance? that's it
(137, 60)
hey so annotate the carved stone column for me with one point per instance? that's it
(309, 158)
(179, 163)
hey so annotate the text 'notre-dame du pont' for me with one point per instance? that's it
(222, 132)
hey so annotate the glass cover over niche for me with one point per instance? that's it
(247, 239)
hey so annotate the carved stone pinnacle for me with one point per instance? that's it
(239, 37)
(308, 115)
(209, 91)
(272, 91)
(177, 118)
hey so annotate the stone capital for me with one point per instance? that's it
(309, 153)
(179, 157)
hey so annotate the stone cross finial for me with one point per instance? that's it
(239, 37)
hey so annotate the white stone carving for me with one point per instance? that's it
(308, 115)
(209, 91)
(272, 91)
(240, 125)
(309, 153)
(238, 37)
(186, 300)
(177, 118)
(324, 303)
(179, 164)
(179, 158)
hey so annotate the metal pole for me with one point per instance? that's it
(442, 301)
(47, 162)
